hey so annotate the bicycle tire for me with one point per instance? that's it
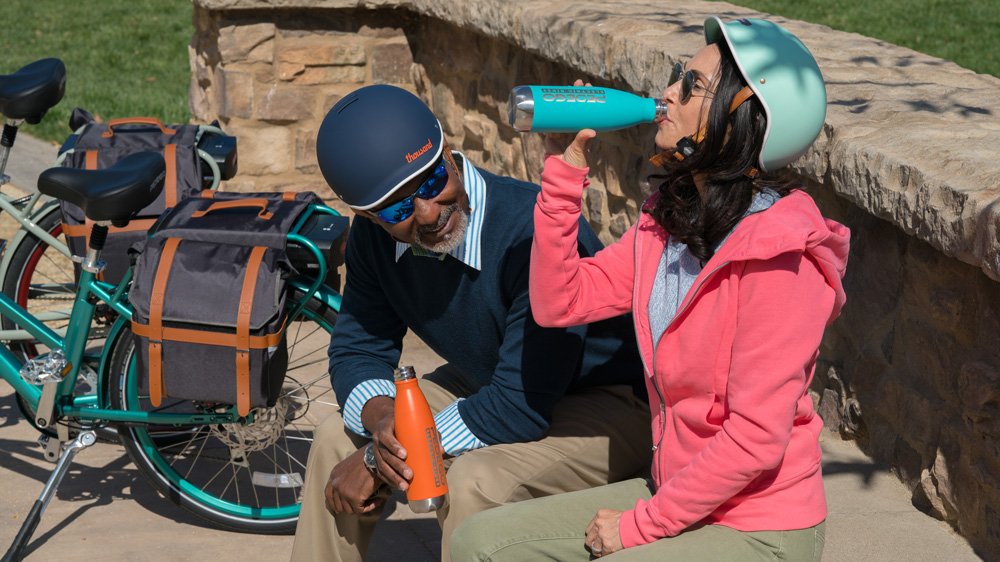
(40, 278)
(34, 260)
(162, 459)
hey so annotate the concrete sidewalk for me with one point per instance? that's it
(105, 509)
(29, 157)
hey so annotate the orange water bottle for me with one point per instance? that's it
(416, 431)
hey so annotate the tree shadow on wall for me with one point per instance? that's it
(942, 104)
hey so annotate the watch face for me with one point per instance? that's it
(370, 457)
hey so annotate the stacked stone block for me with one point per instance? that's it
(907, 160)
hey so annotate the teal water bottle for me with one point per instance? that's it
(568, 109)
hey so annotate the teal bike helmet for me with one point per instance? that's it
(785, 78)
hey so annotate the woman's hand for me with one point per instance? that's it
(572, 150)
(602, 533)
(576, 153)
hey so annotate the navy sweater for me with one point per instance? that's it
(478, 321)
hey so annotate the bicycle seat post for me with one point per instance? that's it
(6, 143)
(98, 235)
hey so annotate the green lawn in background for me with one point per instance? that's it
(129, 57)
(123, 57)
(964, 31)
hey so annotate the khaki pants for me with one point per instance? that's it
(554, 528)
(597, 436)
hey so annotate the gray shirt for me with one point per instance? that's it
(679, 268)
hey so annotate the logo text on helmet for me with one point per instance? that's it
(411, 156)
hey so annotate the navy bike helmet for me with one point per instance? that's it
(374, 141)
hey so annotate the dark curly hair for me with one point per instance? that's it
(730, 148)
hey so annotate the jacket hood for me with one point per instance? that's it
(793, 223)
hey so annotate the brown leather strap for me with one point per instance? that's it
(243, 330)
(136, 121)
(156, 320)
(249, 203)
(90, 160)
(190, 335)
(170, 182)
(740, 97)
(74, 230)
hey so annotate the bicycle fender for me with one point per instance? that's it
(104, 368)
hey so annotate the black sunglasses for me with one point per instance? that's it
(688, 81)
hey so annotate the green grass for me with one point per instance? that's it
(964, 31)
(129, 57)
(123, 57)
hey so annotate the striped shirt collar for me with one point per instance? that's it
(469, 251)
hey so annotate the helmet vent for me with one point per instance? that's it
(346, 103)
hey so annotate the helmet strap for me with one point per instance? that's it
(687, 145)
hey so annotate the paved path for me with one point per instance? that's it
(105, 510)
(28, 158)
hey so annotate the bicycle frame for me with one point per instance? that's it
(91, 291)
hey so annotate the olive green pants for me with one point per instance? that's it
(553, 528)
(597, 436)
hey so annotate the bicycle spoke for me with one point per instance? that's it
(212, 479)
(252, 486)
(195, 436)
(290, 457)
(197, 457)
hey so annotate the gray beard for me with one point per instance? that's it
(454, 239)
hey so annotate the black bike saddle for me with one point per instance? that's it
(30, 92)
(114, 194)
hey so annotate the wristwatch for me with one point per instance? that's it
(369, 459)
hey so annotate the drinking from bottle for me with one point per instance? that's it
(568, 109)
(416, 431)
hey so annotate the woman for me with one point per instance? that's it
(732, 278)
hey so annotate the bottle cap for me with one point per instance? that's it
(521, 108)
(405, 372)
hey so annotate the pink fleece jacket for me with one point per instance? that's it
(734, 431)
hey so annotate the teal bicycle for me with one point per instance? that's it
(239, 473)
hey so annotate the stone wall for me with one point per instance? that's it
(907, 160)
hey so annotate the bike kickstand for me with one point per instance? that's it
(16, 551)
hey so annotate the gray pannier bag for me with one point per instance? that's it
(95, 146)
(209, 299)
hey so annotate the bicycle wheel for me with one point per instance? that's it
(242, 477)
(41, 279)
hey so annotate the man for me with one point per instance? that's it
(441, 248)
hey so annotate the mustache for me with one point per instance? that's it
(442, 220)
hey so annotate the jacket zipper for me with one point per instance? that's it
(652, 374)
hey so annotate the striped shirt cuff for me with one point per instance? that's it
(356, 400)
(456, 437)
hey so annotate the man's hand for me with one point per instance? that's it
(602, 533)
(379, 418)
(351, 487)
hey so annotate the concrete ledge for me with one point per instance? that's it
(910, 138)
